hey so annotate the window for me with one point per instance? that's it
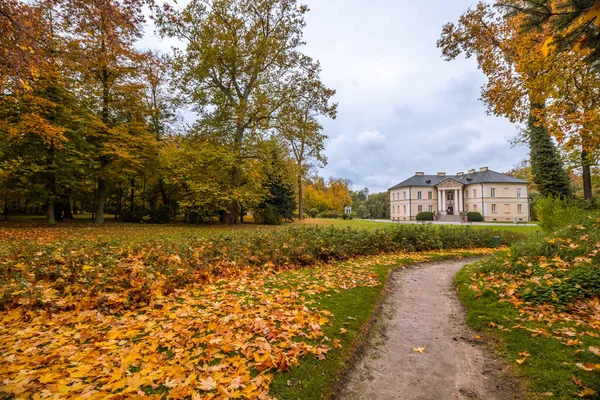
(507, 208)
(475, 207)
(420, 208)
(493, 208)
(430, 196)
(466, 208)
(419, 195)
(506, 192)
(404, 209)
(404, 195)
(493, 192)
(474, 193)
(520, 208)
(518, 192)
(430, 208)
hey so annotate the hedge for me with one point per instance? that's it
(474, 217)
(425, 216)
(95, 268)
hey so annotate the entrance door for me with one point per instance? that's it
(450, 202)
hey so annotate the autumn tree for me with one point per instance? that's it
(298, 124)
(567, 25)
(104, 61)
(516, 86)
(241, 59)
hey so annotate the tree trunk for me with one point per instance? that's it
(67, 213)
(119, 203)
(233, 209)
(132, 195)
(163, 191)
(100, 199)
(300, 200)
(587, 176)
(5, 211)
(50, 220)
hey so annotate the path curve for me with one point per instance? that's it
(422, 310)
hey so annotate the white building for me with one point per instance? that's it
(496, 196)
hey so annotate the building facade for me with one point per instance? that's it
(496, 196)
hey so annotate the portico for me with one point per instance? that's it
(450, 197)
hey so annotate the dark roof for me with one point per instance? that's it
(488, 176)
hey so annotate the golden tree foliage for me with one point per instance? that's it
(521, 76)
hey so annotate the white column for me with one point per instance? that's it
(439, 200)
(444, 207)
(460, 200)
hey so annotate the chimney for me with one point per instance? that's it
(483, 169)
(471, 171)
(419, 173)
(441, 174)
(460, 173)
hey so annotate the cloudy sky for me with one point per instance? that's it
(402, 108)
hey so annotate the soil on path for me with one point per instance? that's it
(422, 310)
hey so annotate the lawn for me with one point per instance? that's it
(173, 310)
(538, 305)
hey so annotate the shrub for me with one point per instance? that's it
(268, 215)
(425, 216)
(554, 213)
(474, 217)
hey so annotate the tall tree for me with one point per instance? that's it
(516, 87)
(240, 59)
(104, 60)
(298, 125)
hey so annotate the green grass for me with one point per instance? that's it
(353, 310)
(551, 366)
(359, 223)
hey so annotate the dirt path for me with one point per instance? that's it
(422, 310)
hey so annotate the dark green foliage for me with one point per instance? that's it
(425, 216)
(281, 200)
(474, 217)
(268, 215)
(547, 167)
(159, 215)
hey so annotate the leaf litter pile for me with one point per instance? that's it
(206, 336)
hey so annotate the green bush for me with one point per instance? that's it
(553, 213)
(474, 217)
(425, 216)
(268, 215)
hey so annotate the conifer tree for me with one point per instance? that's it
(548, 173)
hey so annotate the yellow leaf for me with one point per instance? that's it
(49, 377)
(586, 392)
(419, 349)
(522, 360)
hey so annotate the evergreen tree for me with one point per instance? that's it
(280, 200)
(548, 172)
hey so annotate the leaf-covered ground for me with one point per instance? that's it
(224, 339)
(541, 300)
